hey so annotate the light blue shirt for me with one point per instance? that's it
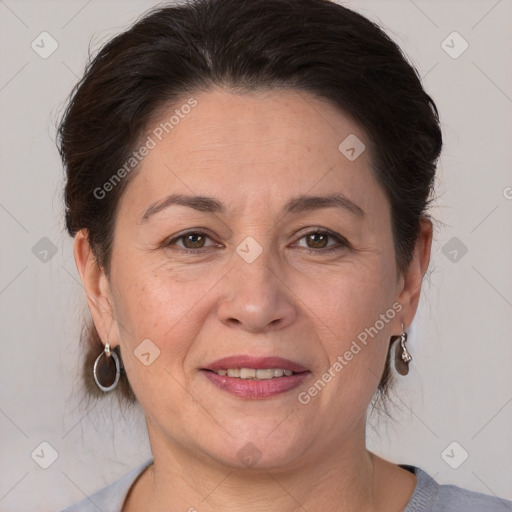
(428, 496)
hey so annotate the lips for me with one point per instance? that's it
(246, 361)
(247, 388)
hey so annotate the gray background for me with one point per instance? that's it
(459, 388)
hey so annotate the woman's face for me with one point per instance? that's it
(259, 280)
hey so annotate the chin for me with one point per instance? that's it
(261, 449)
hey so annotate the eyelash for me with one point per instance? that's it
(343, 243)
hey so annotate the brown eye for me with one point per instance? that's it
(318, 241)
(193, 240)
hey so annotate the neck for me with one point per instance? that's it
(337, 480)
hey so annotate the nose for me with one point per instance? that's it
(256, 296)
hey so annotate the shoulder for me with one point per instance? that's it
(430, 496)
(112, 496)
(455, 498)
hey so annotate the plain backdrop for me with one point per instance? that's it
(456, 402)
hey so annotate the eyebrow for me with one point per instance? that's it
(295, 205)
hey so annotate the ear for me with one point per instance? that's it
(96, 288)
(410, 283)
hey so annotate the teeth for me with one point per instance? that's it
(256, 374)
(247, 373)
(264, 374)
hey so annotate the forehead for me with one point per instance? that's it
(266, 145)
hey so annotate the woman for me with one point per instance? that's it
(247, 185)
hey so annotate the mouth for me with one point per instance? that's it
(252, 377)
(255, 373)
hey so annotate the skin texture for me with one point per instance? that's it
(253, 152)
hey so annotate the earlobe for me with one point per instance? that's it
(95, 283)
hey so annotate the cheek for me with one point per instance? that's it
(353, 317)
(352, 297)
(157, 323)
(158, 304)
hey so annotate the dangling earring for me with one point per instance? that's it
(107, 369)
(402, 356)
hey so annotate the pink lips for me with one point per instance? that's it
(254, 389)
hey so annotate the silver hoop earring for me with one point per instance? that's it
(107, 369)
(402, 356)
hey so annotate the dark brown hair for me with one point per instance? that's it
(315, 46)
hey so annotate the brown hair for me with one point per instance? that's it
(316, 46)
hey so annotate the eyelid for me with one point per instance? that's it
(179, 236)
(341, 241)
